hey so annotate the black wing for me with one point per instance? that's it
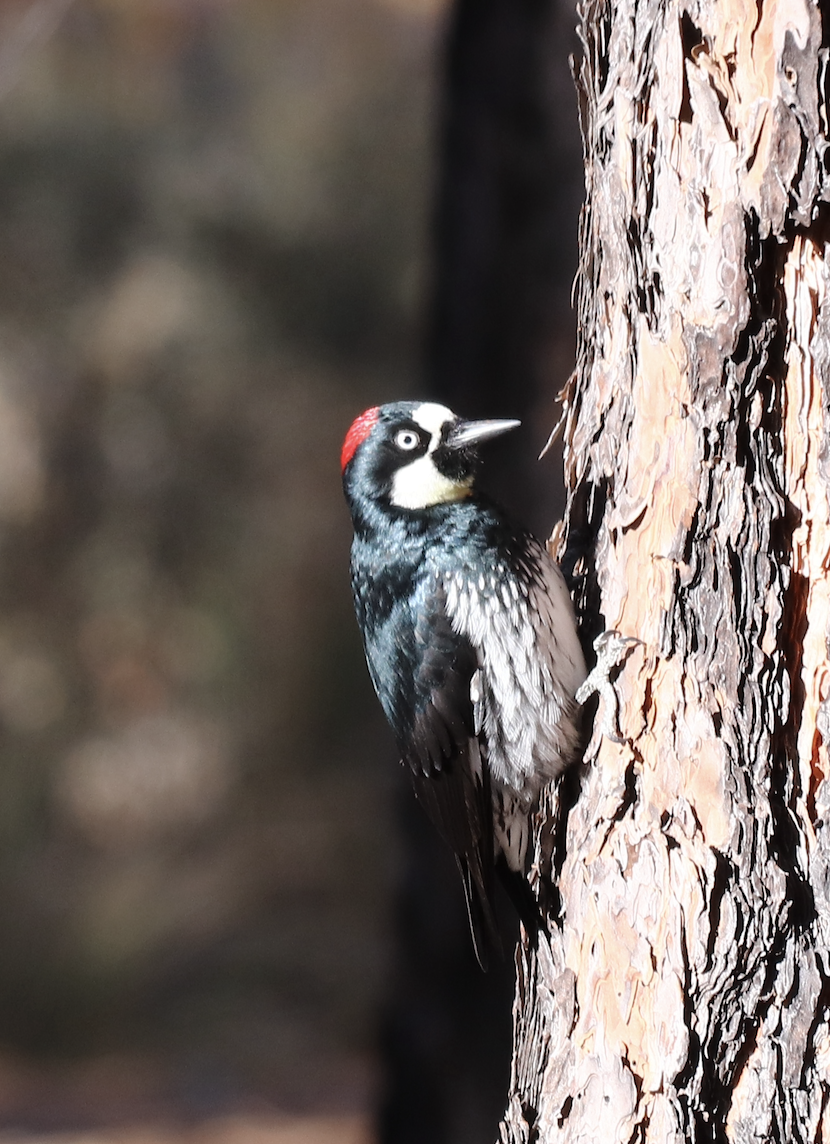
(448, 765)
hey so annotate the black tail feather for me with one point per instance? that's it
(523, 899)
(484, 928)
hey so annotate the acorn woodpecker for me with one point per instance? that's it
(469, 634)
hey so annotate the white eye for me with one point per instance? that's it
(407, 439)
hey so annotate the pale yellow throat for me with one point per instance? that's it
(420, 485)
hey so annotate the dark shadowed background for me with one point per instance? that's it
(226, 227)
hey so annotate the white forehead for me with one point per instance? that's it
(433, 417)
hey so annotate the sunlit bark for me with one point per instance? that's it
(684, 993)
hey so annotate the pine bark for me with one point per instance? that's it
(684, 993)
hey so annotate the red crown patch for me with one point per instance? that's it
(360, 429)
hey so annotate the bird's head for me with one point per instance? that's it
(411, 455)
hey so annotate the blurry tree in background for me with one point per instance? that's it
(212, 225)
(214, 234)
(500, 342)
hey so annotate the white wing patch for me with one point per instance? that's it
(531, 664)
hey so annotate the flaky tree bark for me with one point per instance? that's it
(684, 994)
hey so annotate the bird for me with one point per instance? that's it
(470, 639)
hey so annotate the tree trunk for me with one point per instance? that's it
(684, 993)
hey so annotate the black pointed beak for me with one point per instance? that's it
(463, 434)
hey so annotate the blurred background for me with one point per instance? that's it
(226, 227)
